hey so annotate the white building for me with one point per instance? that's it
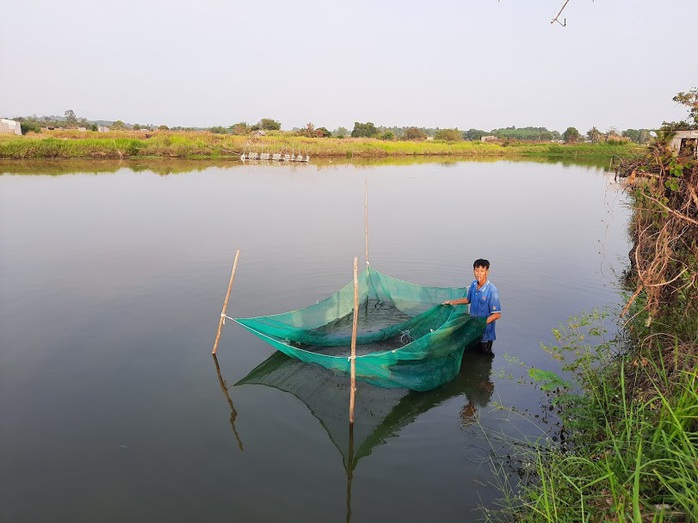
(685, 140)
(10, 127)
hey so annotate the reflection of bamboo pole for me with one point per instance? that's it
(352, 393)
(350, 470)
(233, 412)
(225, 303)
(353, 342)
(366, 219)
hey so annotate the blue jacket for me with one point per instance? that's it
(483, 302)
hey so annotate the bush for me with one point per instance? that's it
(30, 127)
(449, 135)
(415, 134)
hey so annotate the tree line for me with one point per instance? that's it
(366, 130)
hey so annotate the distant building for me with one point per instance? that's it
(103, 129)
(488, 138)
(685, 143)
(10, 127)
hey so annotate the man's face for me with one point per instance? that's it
(481, 274)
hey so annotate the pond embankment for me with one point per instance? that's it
(207, 145)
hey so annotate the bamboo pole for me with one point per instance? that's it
(225, 303)
(352, 392)
(366, 219)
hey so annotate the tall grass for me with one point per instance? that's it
(630, 450)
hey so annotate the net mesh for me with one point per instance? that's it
(406, 337)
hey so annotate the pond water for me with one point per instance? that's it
(112, 284)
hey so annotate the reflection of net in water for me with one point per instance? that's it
(405, 337)
(380, 413)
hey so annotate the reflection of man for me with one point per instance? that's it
(476, 370)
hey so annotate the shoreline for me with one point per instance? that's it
(209, 146)
(165, 166)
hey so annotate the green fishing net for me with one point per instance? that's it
(405, 337)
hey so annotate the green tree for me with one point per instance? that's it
(534, 134)
(308, 130)
(267, 124)
(29, 126)
(340, 132)
(118, 125)
(690, 100)
(414, 134)
(322, 132)
(364, 130)
(70, 118)
(474, 134)
(218, 129)
(637, 135)
(594, 135)
(644, 136)
(449, 135)
(571, 135)
(240, 128)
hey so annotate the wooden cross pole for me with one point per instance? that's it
(225, 303)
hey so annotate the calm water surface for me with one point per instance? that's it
(111, 285)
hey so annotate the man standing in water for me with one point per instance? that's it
(483, 298)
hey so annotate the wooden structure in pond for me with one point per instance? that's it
(274, 157)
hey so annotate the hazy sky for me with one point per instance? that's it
(443, 63)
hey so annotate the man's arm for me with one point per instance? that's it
(460, 301)
(494, 317)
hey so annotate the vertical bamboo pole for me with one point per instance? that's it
(352, 392)
(225, 303)
(366, 219)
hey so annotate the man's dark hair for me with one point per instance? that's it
(481, 262)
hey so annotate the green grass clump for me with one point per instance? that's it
(629, 448)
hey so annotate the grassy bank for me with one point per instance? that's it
(627, 449)
(628, 446)
(166, 144)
